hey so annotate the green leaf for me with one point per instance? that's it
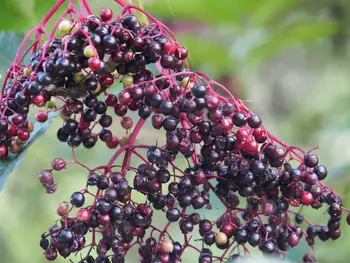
(15, 15)
(296, 33)
(206, 11)
(41, 7)
(13, 160)
(271, 11)
(207, 53)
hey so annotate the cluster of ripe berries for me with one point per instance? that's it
(229, 152)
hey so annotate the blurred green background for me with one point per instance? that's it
(288, 58)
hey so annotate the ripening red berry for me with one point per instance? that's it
(228, 229)
(251, 146)
(137, 231)
(58, 164)
(41, 115)
(83, 215)
(112, 142)
(127, 122)
(124, 97)
(306, 198)
(293, 239)
(17, 119)
(12, 130)
(107, 80)
(226, 124)
(111, 100)
(23, 134)
(242, 134)
(211, 101)
(106, 14)
(169, 48)
(181, 53)
(46, 177)
(62, 209)
(3, 150)
(94, 63)
(39, 100)
(104, 219)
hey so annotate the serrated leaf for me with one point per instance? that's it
(13, 160)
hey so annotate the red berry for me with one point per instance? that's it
(137, 231)
(38, 100)
(62, 209)
(211, 101)
(181, 53)
(83, 215)
(46, 177)
(226, 124)
(23, 134)
(348, 219)
(112, 142)
(293, 239)
(228, 229)
(12, 130)
(242, 134)
(251, 146)
(157, 121)
(306, 198)
(169, 48)
(17, 118)
(111, 100)
(106, 14)
(58, 164)
(239, 145)
(127, 123)
(124, 97)
(41, 115)
(3, 150)
(257, 132)
(94, 63)
(107, 80)
(104, 219)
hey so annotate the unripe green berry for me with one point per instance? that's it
(187, 83)
(27, 71)
(78, 77)
(51, 104)
(127, 80)
(88, 51)
(65, 26)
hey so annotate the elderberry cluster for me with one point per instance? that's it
(229, 154)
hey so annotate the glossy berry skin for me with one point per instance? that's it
(94, 63)
(306, 198)
(106, 14)
(77, 199)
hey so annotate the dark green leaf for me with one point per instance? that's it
(13, 160)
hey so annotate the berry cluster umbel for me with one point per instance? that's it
(229, 152)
